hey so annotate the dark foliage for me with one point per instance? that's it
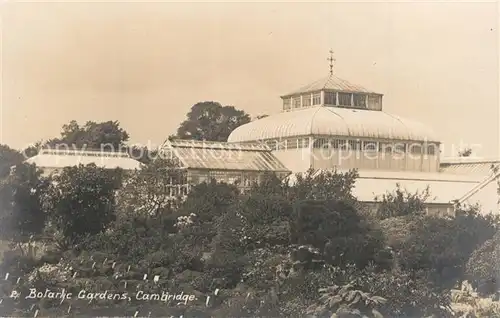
(81, 200)
(105, 135)
(8, 158)
(211, 121)
(21, 195)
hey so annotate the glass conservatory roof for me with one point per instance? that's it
(224, 156)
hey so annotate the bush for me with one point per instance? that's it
(81, 201)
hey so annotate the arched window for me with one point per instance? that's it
(415, 148)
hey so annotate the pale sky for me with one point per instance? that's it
(146, 64)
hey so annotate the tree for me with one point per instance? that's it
(439, 246)
(21, 195)
(482, 267)
(81, 201)
(211, 121)
(465, 152)
(147, 191)
(495, 169)
(32, 150)
(401, 202)
(92, 135)
(326, 185)
(8, 158)
(142, 154)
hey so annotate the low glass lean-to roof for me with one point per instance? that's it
(224, 156)
(57, 158)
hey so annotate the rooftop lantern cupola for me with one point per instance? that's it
(332, 91)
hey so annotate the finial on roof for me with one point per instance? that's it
(331, 59)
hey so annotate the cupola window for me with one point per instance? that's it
(306, 100)
(287, 104)
(374, 102)
(316, 98)
(345, 99)
(330, 98)
(359, 100)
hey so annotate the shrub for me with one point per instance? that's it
(81, 200)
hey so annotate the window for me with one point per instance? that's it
(195, 179)
(374, 101)
(359, 100)
(330, 98)
(369, 146)
(344, 99)
(431, 149)
(399, 148)
(287, 103)
(291, 143)
(271, 144)
(335, 143)
(354, 145)
(320, 143)
(306, 100)
(343, 145)
(234, 179)
(415, 148)
(296, 102)
(384, 147)
(316, 98)
(304, 143)
(280, 144)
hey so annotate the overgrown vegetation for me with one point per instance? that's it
(278, 250)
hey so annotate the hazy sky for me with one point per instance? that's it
(146, 64)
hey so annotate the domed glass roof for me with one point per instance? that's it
(333, 121)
